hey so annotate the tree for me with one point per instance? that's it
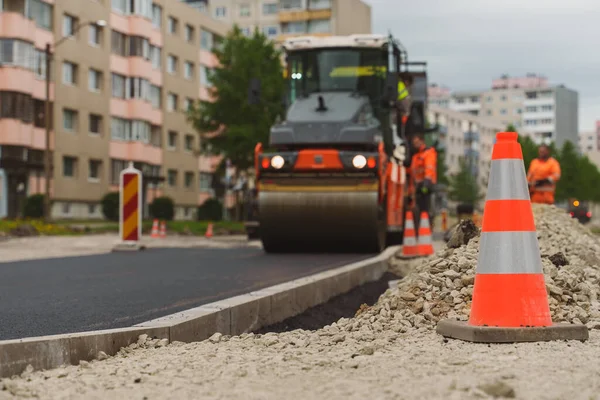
(589, 180)
(242, 59)
(529, 149)
(442, 171)
(463, 186)
(569, 184)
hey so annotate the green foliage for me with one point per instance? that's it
(442, 171)
(570, 181)
(110, 206)
(210, 210)
(463, 186)
(162, 208)
(589, 179)
(242, 59)
(34, 206)
(529, 148)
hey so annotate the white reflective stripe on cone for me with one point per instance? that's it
(410, 241)
(507, 180)
(425, 239)
(509, 253)
(409, 224)
(424, 223)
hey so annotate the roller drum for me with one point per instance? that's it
(351, 221)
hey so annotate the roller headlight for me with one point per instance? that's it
(359, 161)
(277, 162)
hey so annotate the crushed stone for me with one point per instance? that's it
(375, 353)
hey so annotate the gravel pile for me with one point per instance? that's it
(442, 286)
(375, 352)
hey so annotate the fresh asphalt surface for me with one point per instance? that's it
(115, 290)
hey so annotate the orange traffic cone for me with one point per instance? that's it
(510, 303)
(163, 229)
(155, 232)
(209, 231)
(409, 244)
(424, 243)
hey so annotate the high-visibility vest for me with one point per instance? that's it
(402, 91)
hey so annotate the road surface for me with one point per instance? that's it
(75, 294)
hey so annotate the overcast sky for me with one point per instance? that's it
(467, 43)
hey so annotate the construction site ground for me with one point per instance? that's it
(388, 350)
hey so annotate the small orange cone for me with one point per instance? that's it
(209, 231)
(155, 233)
(510, 302)
(424, 243)
(163, 229)
(409, 244)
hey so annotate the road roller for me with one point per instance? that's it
(333, 175)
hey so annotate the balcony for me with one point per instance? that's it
(471, 136)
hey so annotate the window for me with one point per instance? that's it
(188, 70)
(205, 181)
(69, 165)
(547, 108)
(294, 27)
(39, 113)
(172, 177)
(319, 4)
(244, 10)
(16, 105)
(172, 140)
(189, 33)
(138, 88)
(17, 53)
(503, 98)
(91, 209)
(95, 124)
(69, 24)
(220, 12)
(245, 31)
(156, 16)
(156, 96)
(155, 136)
(518, 111)
(139, 47)
(94, 80)
(95, 35)
(118, 43)
(172, 102)
(187, 104)
(39, 63)
(119, 85)
(135, 7)
(320, 26)
(41, 13)
(94, 170)
(269, 8)
(206, 40)
(69, 120)
(171, 64)
(156, 57)
(172, 25)
(271, 31)
(130, 130)
(503, 111)
(291, 4)
(189, 180)
(204, 76)
(69, 73)
(531, 109)
(189, 142)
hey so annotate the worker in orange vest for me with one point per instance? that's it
(423, 176)
(542, 176)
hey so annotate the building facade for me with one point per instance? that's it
(281, 19)
(546, 113)
(119, 88)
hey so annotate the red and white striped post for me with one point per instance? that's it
(130, 208)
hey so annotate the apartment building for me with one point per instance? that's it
(281, 19)
(466, 136)
(119, 86)
(544, 112)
